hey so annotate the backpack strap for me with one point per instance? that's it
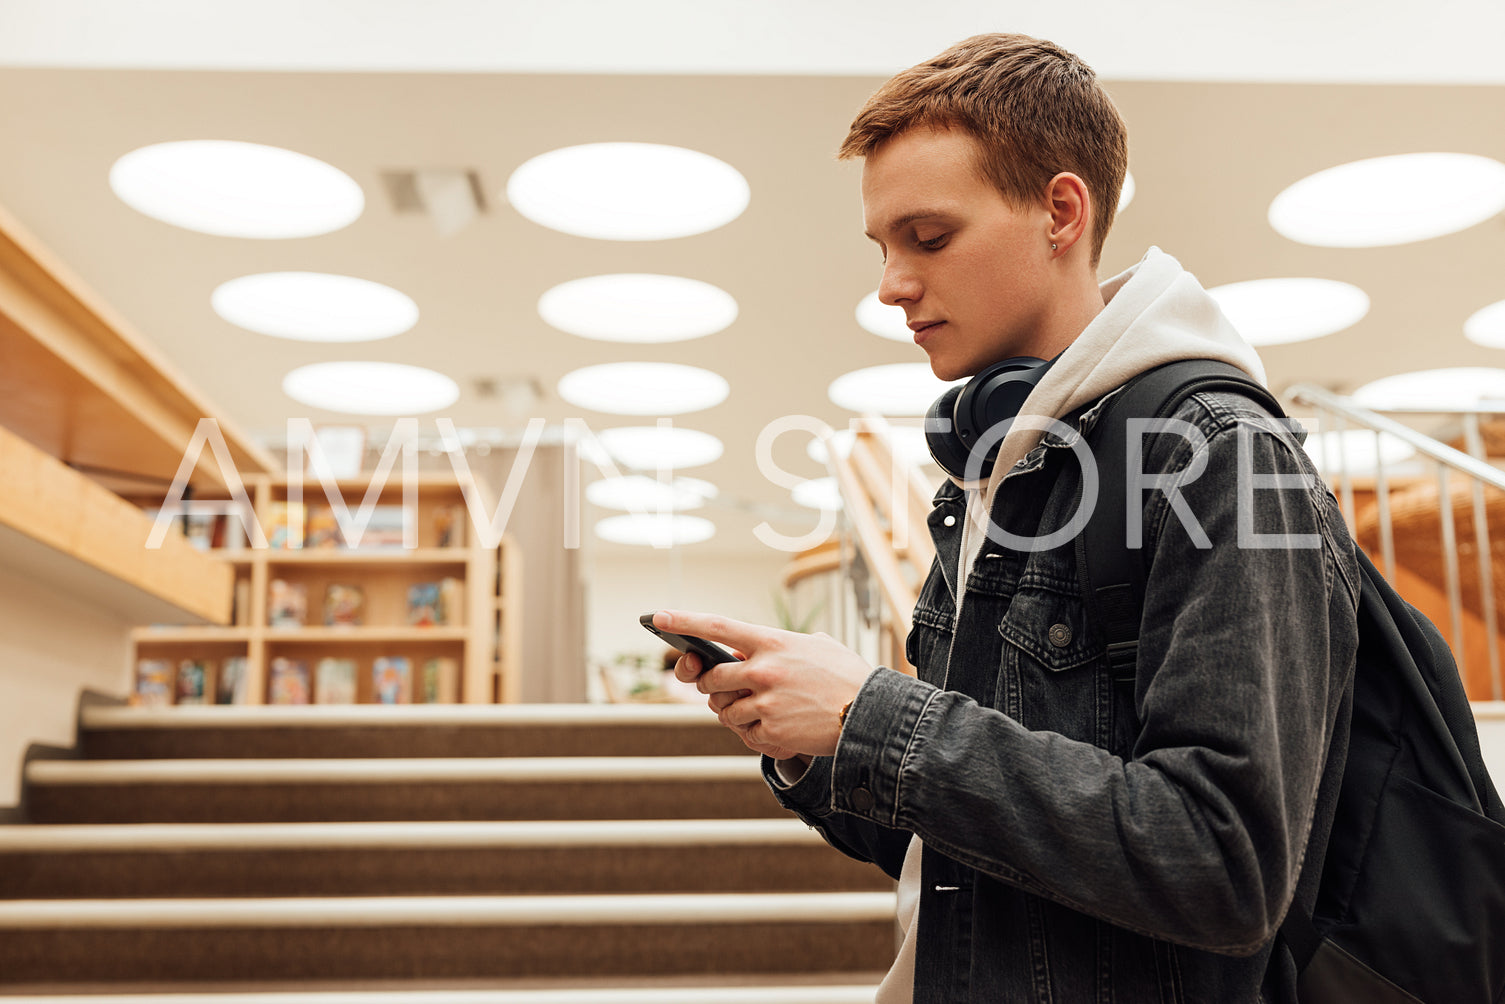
(1113, 576)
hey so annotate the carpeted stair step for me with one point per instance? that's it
(433, 858)
(475, 788)
(326, 731)
(446, 937)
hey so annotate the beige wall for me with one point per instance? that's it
(52, 647)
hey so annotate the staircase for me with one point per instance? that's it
(506, 855)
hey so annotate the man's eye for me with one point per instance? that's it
(934, 244)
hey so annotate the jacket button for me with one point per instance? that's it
(862, 800)
(949, 521)
(1060, 635)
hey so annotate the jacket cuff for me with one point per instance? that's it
(810, 795)
(865, 771)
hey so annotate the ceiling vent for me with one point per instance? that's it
(451, 197)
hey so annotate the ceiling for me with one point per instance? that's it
(1223, 114)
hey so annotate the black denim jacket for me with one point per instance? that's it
(1097, 839)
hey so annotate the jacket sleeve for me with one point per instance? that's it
(810, 799)
(1244, 655)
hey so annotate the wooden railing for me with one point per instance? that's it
(884, 549)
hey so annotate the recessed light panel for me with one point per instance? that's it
(315, 307)
(639, 493)
(628, 191)
(654, 530)
(1390, 200)
(818, 493)
(643, 388)
(371, 388)
(1487, 327)
(1277, 311)
(883, 320)
(1441, 390)
(234, 189)
(649, 447)
(1358, 451)
(894, 389)
(638, 308)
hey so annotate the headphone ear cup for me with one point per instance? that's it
(946, 447)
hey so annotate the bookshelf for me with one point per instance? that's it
(464, 595)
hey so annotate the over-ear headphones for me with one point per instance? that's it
(961, 418)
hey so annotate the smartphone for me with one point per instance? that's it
(710, 653)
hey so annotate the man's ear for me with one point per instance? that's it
(1070, 210)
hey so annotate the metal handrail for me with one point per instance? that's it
(1472, 465)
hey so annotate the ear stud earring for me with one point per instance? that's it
(1052, 247)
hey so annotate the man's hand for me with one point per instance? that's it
(786, 696)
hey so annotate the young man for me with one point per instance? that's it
(1063, 831)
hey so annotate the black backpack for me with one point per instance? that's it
(1411, 903)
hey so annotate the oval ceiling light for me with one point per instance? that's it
(893, 389)
(638, 308)
(233, 189)
(1390, 200)
(314, 307)
(1487, 326)
(1126, 194)
(639, 493)
(883, 320)
(646, 447)
(818, 493)
(655, 531)
(1440, 390)
(371, 388)
(1278, 311)
(628, 191)
(643, 388)
(1359, 451)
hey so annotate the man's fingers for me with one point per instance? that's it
(745, 638)
(722, 698)
(687, 668)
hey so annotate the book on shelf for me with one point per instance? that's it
(392, 679)
(344, 604)
(440, 681)
(154, 684)
(288, 682)
(423, 604)
(334, 681)
(449, 525)
(284, 525)
(384, 531)
(230, 688)
(436, 603)
(287, 603)
(323, 530)
(193, 681)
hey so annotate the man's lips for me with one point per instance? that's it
(924, 329)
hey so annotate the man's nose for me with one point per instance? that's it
(899, 285)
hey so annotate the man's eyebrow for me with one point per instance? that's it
(909, 218)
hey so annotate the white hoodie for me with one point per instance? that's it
(1156, 312)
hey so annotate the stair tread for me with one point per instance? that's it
(393, 769)
(452, 911)
(84, 837)
(100, 718)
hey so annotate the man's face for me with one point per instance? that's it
(968, 268)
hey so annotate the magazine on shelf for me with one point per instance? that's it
(288, 683)
(284, 525)
(193, 681)
(230, 688)
(384, 531)
(449, 525)
(392, 680)
(440, 682)
(323, 530)
(287, 604)
(334, 681)
(344, 604)
(423, 604)
(154, 684)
